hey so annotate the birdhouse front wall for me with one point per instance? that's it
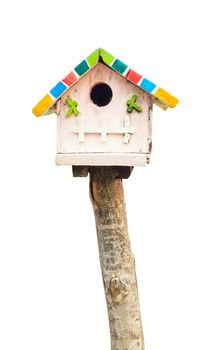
(94, 129)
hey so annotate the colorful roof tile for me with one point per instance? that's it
(162, 98)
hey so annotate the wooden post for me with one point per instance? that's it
(116, 258)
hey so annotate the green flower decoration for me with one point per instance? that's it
(132, 105)
(72, 104)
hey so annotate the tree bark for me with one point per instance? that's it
(116, 258)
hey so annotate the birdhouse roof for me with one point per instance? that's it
(161, 97)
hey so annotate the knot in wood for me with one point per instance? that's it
(117, 290)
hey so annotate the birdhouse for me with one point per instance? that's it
(104, 113)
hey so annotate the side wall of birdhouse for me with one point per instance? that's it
(89, 134)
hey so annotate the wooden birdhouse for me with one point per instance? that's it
(104, 113)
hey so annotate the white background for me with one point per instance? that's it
(51, 293)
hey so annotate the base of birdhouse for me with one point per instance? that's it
(120, 172)
(103, 159)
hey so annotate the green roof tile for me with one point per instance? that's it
(93, 58)
(106, 56)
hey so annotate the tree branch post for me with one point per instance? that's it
(116, 259)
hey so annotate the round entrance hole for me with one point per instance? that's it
(101, 94)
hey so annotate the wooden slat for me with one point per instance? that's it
(98, 159)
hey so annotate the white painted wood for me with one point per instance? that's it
(58, 106)
(123, 159)
(104, 131)
(108, 129)
(150, 120)
(127, 122)
(81, 129)
(126, 138)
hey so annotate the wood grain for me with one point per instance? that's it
(116, 259)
